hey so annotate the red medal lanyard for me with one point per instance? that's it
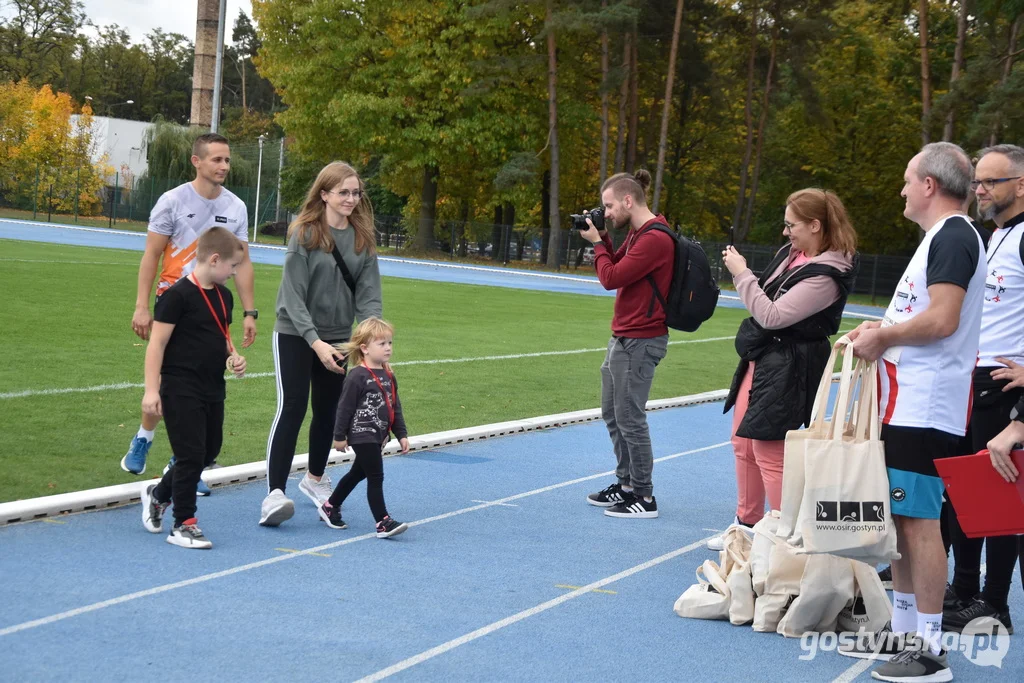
(389, 401)
(223, 328)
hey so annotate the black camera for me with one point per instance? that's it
(579, 220)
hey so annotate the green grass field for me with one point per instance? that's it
(65, 324)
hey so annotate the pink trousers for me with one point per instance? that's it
(758, 464)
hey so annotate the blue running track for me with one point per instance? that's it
(484, 586)
(389, 266)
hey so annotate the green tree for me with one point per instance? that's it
(38, 38)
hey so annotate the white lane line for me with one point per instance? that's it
(526, 614)
(73, 263)
(504, 505)
(508, 272)
(854, 671)
(25, 393)
(35, 623)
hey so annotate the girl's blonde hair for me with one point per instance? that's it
(366, 332)
(311, 223)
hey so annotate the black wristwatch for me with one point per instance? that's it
(254, 313)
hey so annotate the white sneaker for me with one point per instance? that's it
(316, 491)
(276, 508)
(717, 543)
(189, 536)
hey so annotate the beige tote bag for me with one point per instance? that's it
(795, 449)
(845, 507)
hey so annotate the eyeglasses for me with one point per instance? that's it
(789, 226)
(347, 194)
(990, 183)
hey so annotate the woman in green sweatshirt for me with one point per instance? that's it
(330, 279)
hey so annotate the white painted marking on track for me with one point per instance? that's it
(157, 590)
(526, 614)
(72, 263)
(504, 272)
(25, 393)
(504, 505)
(854, 671)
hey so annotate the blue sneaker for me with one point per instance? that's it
(134, 460)
(201, 488)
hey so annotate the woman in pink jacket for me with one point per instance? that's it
(795, 306)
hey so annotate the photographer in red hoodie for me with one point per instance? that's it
(639, 337)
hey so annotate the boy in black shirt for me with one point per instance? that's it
(188, 348)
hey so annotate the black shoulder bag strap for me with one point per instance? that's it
(650, 276)
(349, 280)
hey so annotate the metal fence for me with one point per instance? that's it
(877, 278)
(121, 204)
(128, 205)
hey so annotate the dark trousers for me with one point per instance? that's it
(195, 429)
(368, 465)
(301, 379)
(1001, 552)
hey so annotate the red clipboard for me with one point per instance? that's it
(985, 503)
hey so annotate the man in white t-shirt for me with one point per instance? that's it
(175, 223)
(999, 185)
(926, 348)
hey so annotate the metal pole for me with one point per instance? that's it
(35, 195)
(113, 202)
(215, 114)
(874, 278)
(78, 192)
(256, 210)
(49, 204)
(280, 167)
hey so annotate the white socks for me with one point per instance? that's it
(904, 612)
(906, 618)
(929, 629)
(146, 434)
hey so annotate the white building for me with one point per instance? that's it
(122, 141)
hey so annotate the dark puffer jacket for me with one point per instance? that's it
(789, 361)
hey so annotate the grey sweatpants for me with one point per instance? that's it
(626, 376)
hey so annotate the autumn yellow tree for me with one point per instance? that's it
(46, 158)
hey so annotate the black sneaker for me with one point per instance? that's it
(606, 498)
(882, 644)
(387, 527)
(885, 576)
(951, 602)
(917, 664)
(331, 514)
(636, 507)
(978, 608)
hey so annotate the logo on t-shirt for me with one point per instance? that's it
(191, 215)
(994, 288)
(898, 494)
(221, 219)
(904, 301)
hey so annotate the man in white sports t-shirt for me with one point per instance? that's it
(175, 223)
(999, 185)
(926, 348)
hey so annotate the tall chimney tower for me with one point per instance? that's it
(205, 63)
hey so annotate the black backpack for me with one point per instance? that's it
(693, 292)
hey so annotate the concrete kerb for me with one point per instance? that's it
(105, 497)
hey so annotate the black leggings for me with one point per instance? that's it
(301, 379)
(195, 429)
(1001, 552)
(368, 465)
